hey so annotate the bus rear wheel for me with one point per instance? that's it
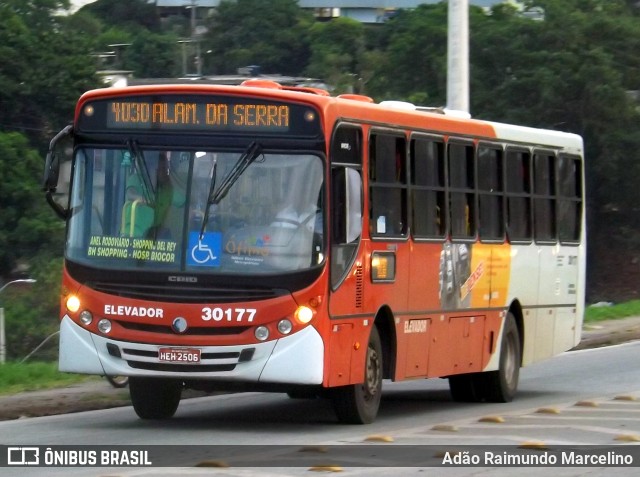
(359, 403)
(501, 385)
(464, 387)
(154, 398)
(493, 386)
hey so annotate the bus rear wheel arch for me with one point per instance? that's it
(500, 385)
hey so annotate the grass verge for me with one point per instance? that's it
(599, 312)
(16, 377)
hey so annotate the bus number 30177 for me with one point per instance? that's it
(228, 314)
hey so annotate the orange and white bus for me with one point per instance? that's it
(263, 237)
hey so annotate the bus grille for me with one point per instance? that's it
(212, 361)
(181, 368)
(192, 331)
(186, 294)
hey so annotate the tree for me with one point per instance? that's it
(129, 15)
(337, 49)
(268, 33)
(415, 45)
(44, 70)
(153, 55)
(27, 225)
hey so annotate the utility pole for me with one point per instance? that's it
(458, 56)
(195, 37)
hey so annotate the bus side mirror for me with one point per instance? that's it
(52, 173)
(354, 204)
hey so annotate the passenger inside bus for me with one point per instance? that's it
(137, 215)
(309, 217)
(169, 201)
(160, 214)
(302, 205)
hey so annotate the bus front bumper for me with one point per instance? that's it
(295, 359)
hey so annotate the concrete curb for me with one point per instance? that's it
(610, 332)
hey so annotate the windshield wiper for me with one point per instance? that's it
(141, 166)
(215, 196)
(251, 154)
(212, 187)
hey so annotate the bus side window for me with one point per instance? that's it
(569, 198)
(490, 193)
(346, 200)
(462, 202)
(518, 187)
(544, 189)
(427, 188)
(388, 185)
(346, 217)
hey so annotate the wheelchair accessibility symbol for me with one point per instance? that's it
(205, 251)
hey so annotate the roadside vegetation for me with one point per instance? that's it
(609, 311)
(19, 377)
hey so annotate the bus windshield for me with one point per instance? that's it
(146, 208)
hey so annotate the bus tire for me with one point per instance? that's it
(118, 381)
(502, 385)
(154, 398)
(359, 403)
(463, 388)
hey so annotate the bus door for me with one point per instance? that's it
(348, 323)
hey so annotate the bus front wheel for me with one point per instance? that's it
(155, 398)
(359, 403)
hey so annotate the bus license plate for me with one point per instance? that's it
(179, 355)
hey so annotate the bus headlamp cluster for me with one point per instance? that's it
(73, 303)
(302, 315)
(261, 333)
(86, 317)
(104, 326)
(285, 327)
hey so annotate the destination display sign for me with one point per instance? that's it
(198, 113)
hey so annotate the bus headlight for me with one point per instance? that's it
(86, 317)
(262, 333)
(104, 326)
(73, 303)
(304, 314)
(285, 327)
